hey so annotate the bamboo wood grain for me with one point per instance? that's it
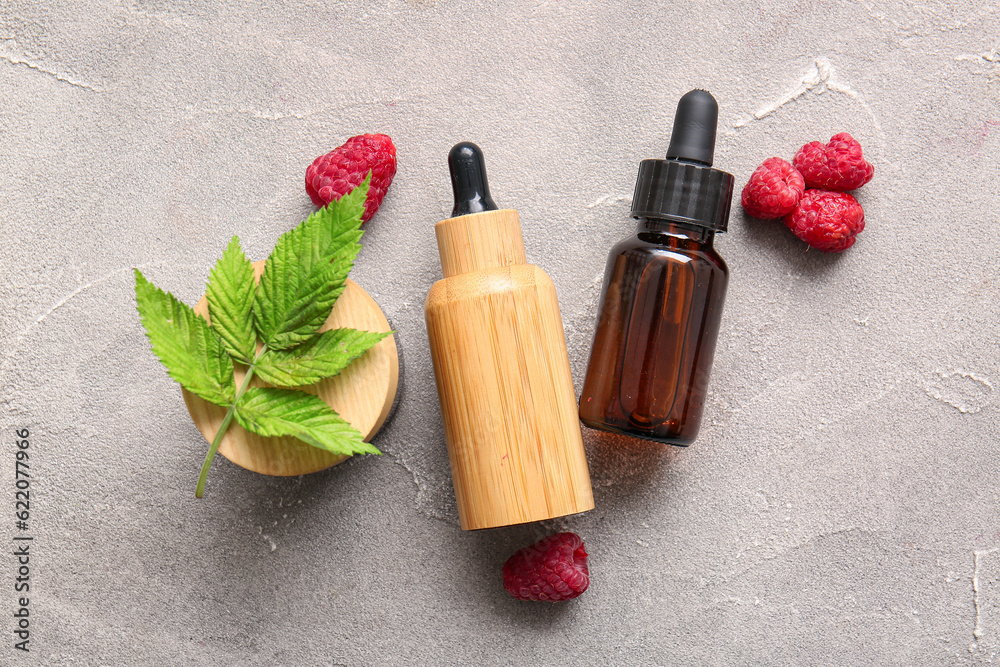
(503, 378)
(362, 394)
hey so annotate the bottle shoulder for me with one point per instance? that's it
(488, 282)
(641, 250)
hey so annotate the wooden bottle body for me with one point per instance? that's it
(503, 378)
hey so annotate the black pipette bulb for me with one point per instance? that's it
(693, 136)
(468, 180)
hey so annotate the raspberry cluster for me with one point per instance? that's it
(810, 194)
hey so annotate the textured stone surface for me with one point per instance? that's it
(841, 504)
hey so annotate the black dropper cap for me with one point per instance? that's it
(684, 187)
(468, 180)
(693, 137)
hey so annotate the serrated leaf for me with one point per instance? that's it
(185, 344)
(230, 293)
(276, 412)
(336, 223)
(303, 308)
(321, 358)
(306, 272)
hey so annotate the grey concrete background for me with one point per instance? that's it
(841, 504)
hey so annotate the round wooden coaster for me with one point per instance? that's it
(362, 394)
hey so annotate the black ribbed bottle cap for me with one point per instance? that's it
(684, 187)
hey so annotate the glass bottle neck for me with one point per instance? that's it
(671, 232)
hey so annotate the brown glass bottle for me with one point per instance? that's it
(664, 288)
(656, 331)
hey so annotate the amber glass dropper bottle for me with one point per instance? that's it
(663, 292)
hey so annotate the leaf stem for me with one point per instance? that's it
(217, 440)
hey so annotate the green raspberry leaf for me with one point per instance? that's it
(230, 294)
(335, 222)
(276, 412)
(320, 358)
(306, 272)
(185, 344)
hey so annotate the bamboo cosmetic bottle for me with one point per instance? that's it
(501, 365)
(664, 287)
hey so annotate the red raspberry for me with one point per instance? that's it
(333, 175)
(553, 569)
(836, 166)
(773, 190)
(826, 220)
